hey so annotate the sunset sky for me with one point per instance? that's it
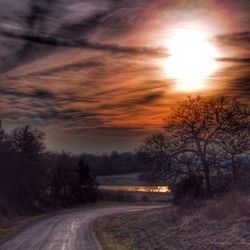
(100, 75)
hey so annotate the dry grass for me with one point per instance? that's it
(220, 224)
(232, 205)
(11, 225)
(113, 238)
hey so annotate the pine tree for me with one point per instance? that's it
(86, 183)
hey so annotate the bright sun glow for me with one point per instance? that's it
(191, 60)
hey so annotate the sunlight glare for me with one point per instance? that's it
(191, 60)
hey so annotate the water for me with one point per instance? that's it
(154, 189)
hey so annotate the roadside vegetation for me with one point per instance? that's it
(221, 223)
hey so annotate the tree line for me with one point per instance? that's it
(32, 178)
(114, 163)
(202, 139)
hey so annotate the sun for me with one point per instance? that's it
(191, 59)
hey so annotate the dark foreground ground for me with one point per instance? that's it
(217, 224)
(70, 230)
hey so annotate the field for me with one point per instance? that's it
(221, 224)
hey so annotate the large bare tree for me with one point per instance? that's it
(195, 137)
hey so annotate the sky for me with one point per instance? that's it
(100, 75)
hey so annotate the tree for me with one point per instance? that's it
(28, 142)
(31, 177)
(29, 147)
(234, 145)
(62, 176)
(194, 137)
(86, 184)
(8, 175)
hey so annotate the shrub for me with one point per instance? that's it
(187, 188)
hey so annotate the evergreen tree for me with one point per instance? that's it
(86, 183)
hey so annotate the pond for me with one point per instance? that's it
(153, 189)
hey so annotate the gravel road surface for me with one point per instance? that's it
(65, 231)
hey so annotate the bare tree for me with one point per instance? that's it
(236, 140)
(195, 133)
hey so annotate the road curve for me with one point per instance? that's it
(65, 231)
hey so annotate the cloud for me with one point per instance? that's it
(36, 38)
(234, 60)
(234, 39)
(62, 69)
(144, 99)
(83, 43)
(233, 80)
(240, 86)
(34, 93)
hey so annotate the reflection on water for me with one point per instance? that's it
(159, 189)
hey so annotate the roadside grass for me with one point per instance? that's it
(116, 238)
(222, 223)
(232, 205)
(10, 226)
(109, 244)
(102, 203)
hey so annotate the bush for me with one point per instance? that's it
(187, 188)
(221, 184)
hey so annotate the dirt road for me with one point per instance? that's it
(65, 231)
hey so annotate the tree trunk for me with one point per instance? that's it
(207, 181)
(234, 168)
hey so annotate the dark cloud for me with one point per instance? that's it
(234, 60)
(35, 93)
(134, 102)
(240, 86)
(150, 98)
(85, 44)
(237, 76)
(33, 21)
(67, 67)
(68, 115)
(143, 100)
(36, 39)
(234, 39)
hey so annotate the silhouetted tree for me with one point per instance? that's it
(113, 163)
(29, 147)
(236, 139)
(8, 174)
(85, 185)
(194, 137)
(63, 175)
(31, 178)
